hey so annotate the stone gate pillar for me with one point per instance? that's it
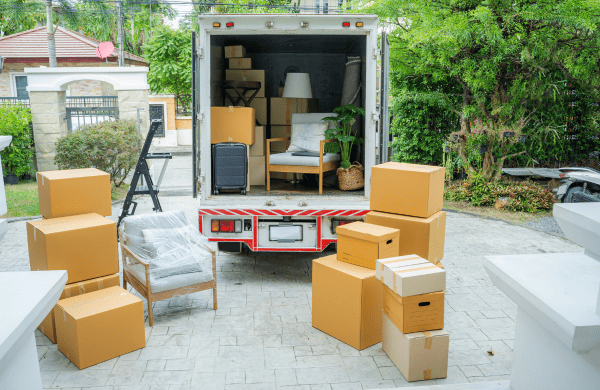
(129, 103)
(48, 111)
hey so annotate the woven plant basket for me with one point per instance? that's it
(351, 178)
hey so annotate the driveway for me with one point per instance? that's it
(261, 337)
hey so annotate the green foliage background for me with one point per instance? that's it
(18, 157)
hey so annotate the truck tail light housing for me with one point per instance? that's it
(337, 222)
(216, 24)
(229, 24)
(359, 24)
(345, 24)
(226, 226)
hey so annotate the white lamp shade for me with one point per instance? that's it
(297, 85)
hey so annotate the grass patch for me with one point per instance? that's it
(492, 212)
(22, 199)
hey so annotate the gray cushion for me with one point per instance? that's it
(134, 224)
(288, 159)
(171, 282)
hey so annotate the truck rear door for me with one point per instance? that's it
(196, 114)
(384, 100)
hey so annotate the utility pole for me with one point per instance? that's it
(51, 42)
(120, 36)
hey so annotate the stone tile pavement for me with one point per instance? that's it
(261, 337)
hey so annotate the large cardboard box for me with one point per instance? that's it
(362, 244)
(235, 51)
(74, 192)
(385, 267)
(407, 189)
(83, 245)
(258, 171)
(419, 356)
(98, 326)
(421, 236)
(259, 104)
(281, 132)
(232, 124)
(259, 147)
(283, 108)
(414, 314)
(346, 302)
(407, 279)
(48, 327)
(247, 75)
(240, 63)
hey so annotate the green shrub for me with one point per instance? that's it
(111, 146)
(524, 196)
(18, 157)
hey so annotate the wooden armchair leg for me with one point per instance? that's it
(215, 297)
(320, 183)
(268, 180)
(150, 319)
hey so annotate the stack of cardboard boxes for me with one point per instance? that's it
(95, 319)
(386, 282)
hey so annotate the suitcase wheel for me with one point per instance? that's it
(216, 192)
(243, 192)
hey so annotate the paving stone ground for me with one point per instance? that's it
(261, 337)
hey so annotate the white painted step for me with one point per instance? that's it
(492, 385)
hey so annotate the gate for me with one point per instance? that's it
(85, 110)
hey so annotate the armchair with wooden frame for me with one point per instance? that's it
(286, 162)
(136, 272)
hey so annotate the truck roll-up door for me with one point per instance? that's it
(384, 100)
(195, 115)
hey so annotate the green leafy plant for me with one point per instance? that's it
(18, 157)
(343, 132)
(111, 146)
(170, 54)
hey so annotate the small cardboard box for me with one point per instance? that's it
(281, 132)
(421, 236)
(74, 192)
(258, 170)
(414, 314)
(232, 124)
(258, 148)
(346, 302)
(362, 244)
(98, 326)
(247, 75)
(407, 189)
(283, 108)
(48, 327)
(419, 356)
(413, 279)
(235, 51)
(240, 63)
(83, 245)
(385, 267)
(259, 104)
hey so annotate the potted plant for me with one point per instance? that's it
(350, 176)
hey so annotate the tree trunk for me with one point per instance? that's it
(51, 42)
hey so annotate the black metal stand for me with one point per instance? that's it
(142, 169)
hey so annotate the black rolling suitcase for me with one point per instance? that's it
(230, 167)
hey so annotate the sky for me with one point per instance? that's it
(181, 9)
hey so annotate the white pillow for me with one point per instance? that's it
(307, 136)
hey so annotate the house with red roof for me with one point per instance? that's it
(29, 49)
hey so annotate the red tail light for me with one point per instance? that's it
(226, 226)
(229, 24)
(346, 24)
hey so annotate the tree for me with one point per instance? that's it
(507, 57)
(169, 53)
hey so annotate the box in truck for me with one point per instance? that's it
(292, 216)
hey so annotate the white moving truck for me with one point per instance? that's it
(289, 217)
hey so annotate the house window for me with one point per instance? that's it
(21, 87)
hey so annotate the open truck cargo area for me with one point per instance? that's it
(291, 215)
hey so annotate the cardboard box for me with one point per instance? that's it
(407, 279)
(232, 124)
(258, 171)
(235, 51)
(346, 302)
(98, 326)
(362, 244)
(247, 75)
(259, 104)
(414, 314)
(48, 327)
(74, 192)
(283, 108)
(83, 245)
(240, 63)
(407, 189)
(259, 147)
(439, 264)
(281, 132)
(421, 236)
(385, 267)
(419, 356)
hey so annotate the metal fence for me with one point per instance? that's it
(14, 101)
(85, 110)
